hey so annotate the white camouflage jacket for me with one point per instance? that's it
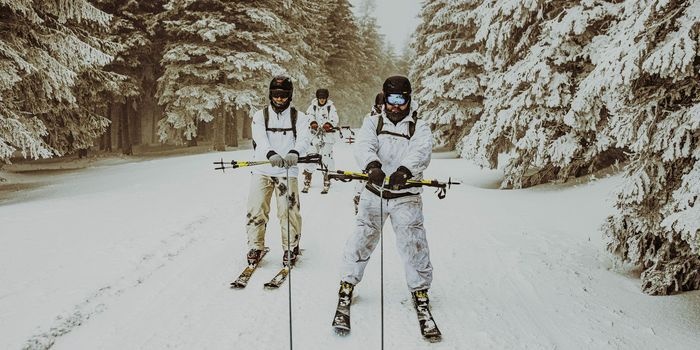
(280, 142)
(394, 151)
(321, 115)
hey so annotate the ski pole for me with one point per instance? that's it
(340, 130)
(235, 164)
(346, 176)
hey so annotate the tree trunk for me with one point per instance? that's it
(125, 135)
(219, 130)
(106, 139)
(246, 127)
(232, 129)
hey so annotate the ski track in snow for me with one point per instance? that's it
(100, 300)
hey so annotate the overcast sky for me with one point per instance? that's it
(397, 19)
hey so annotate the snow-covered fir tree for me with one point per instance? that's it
(374, 58)
(309, 19)
(345, 59)
(135, 27)
(219, 55)
(538, 53)
(448, 69)
(648, 76)
(51, 56)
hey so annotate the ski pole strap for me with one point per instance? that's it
(312, 158)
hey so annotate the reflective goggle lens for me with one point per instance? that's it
(396, 99)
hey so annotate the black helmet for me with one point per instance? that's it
(281, 84)
(322, 93)
(397, 85)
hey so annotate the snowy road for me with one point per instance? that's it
(139, 256)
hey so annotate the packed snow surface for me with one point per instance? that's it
(140, 255)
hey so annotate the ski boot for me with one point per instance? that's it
(307, 182)
(326, 184)
(289, 258)
(254, 256)
(341, 320)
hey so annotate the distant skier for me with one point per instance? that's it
(323, 120)
(378, 104)
(280, 134)
(393, 142)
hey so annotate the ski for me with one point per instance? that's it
(244, 277)
(279, 278)
(428, 328)
(341, 320)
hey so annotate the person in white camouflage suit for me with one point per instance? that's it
(323, 123)
(280, 134)
(392, 142)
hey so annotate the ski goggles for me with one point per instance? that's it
(396, 99)
(279, 93)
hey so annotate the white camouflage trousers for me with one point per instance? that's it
(407, 220)
(259, 197)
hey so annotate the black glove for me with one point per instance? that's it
(399, 177)
(375, 173)
(275, 159)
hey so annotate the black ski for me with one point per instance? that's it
(279, 278)
(428, 328)
(244, 277)
(341, 320)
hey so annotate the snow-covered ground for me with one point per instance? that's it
(140, 255)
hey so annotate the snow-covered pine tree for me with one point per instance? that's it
(135, 27)
(370, 74)
(50, 56)
(345, 58)
(448, 71)
(219, 54)
(648, 76)
(309, 20)
(538, 54)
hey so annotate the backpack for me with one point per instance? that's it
(293, 129)
(411, 126)
(329, 109)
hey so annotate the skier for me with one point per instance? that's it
(393, 142)
(323, 118)
(280, 134)
(376, 109)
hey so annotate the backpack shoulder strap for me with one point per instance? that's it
(412, 124)
(266, 114)
(314, 108)
(380, 123)
(293, 114)
(329, 109)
